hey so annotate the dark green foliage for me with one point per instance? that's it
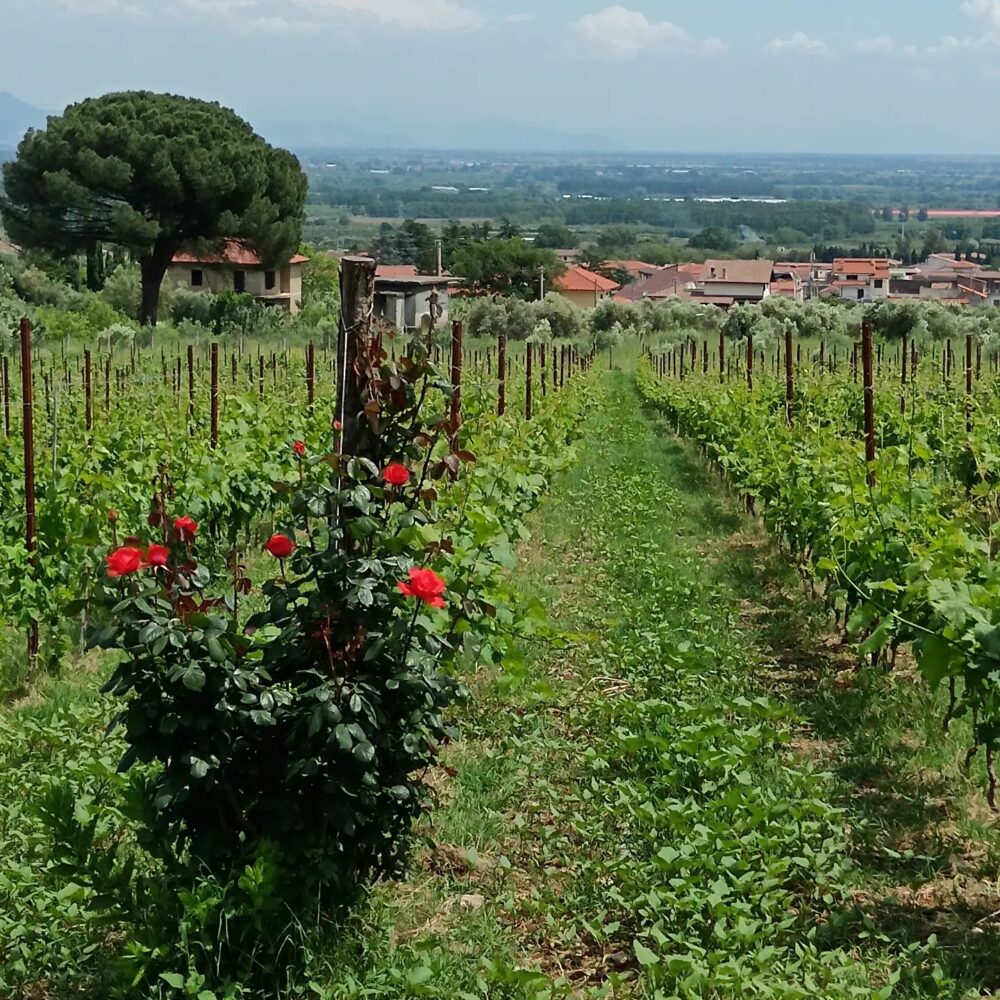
(505, 267)
(151, 173)
(714, 238)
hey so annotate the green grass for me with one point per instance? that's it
(685, 790)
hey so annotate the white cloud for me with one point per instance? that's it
(90, 6)
(622, 32)
(520, 18)
(986, 10)
(799, 44)
(882, 44)
(417, 14)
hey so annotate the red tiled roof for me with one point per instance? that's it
(232, 252)
(874, 267)
(956, 265)
(786, 287)
(738, 272)
(579, 279)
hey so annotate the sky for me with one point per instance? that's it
(726, 75)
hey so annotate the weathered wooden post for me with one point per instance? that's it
(310, 374)
(722, 357)
(904, 358)
(789, 376)
(456, 378)
(357, 296)
(88, 417)
(968, 383)
(28, 435)
(501, 374)
(869, 391)
(215, 397)
(750, 361)
(190, 366)
(5, 377)
(529, 357)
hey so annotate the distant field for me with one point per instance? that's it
(963, 213)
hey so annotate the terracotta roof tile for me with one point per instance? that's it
(741, 272)
(579, 279)
(232, 252)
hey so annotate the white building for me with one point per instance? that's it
(862, 279)
(237, 267)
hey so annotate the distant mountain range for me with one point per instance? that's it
(16, 118)
(315, 132)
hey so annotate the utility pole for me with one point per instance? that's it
(541, 283)
(440, 256)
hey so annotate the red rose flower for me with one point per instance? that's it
(112, 517)
(425, 585)
(299, 447)
(280, 546)
(396, 474)
(186, 528)
(157, 555)
(124, 562)
(338, 426)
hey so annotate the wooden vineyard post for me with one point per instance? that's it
(968, 383)
(869, 390)
(357, 295)
(704, 357)
(88, 418)
(310, 374)
(789, 376)
(28, 434)
(5, 377)
(750, 361)
(190, 361)
(822, 355)
(529, 358)
(107, 386)
(562, 366)
(722, 357)
(904, 357)
(555, 368)
(501, 374)
(215, 397)
(260, 375)
(456, 378)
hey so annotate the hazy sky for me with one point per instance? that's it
(839, 76)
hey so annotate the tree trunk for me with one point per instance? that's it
(153, 267)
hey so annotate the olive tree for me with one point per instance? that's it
(152, 173)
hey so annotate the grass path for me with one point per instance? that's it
(672, 797)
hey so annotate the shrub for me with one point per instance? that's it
(303, 739)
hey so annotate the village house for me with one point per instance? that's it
(637, 270)
(584, 289)
(944, 262)
(411, 301)
(674, 280)
(862, 279)
(789, 281)
(236, 267)
(730, 282)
